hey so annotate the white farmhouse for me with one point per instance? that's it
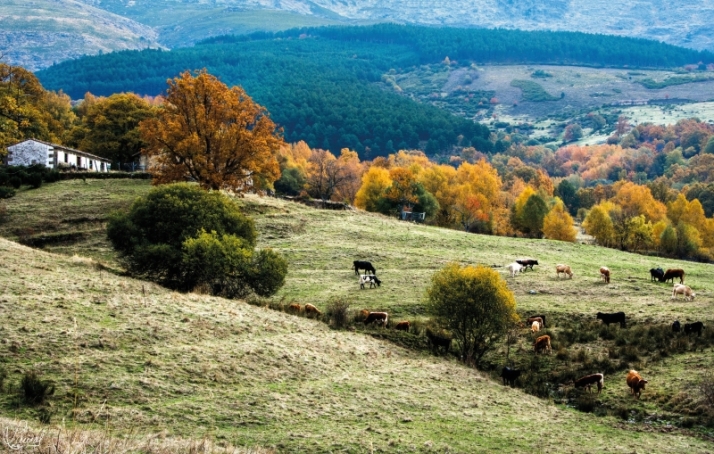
(33, 151)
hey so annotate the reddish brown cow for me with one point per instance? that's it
(589, 380)
(672, 273)
(364, 313)
(605, 274)
(542, 344)
(635, 382)
(295, 308)
(381, 318)
(403, 326)
(312, 310)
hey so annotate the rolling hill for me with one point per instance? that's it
(130, 358)
(38, 33)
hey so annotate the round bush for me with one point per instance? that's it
(184, 238)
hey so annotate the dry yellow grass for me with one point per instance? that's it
(131, 359)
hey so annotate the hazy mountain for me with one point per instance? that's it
(37, 33)
(40, 32)
(680, 22)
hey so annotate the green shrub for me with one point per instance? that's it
(6, 193)
(15, 181)
(33, 390)
(184, 238)
(34, 180)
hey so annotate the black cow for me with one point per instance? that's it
(527, 263)
(366, 266)
(695, 327)
(617, 317)
(656, 274)
(676, 326)
(436, 341)
(510, 376)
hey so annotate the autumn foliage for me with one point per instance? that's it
(215, 135)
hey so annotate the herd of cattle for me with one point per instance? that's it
(542, 344)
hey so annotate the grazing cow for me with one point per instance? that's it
(535, 326)
(676, 326)
(366, 266)
(527, 263)
(656, 274)
(381, 318)
(369, 278)
(403, 326)
(565, 269)
(636, 383)
(695, 327)
(681, 289)
(672, 273)
(312, 310)
(542, 344)
(295, 308)
(510, 376)
(514, 268)
(364, 313)
(589, 380)
(437, 341)
(617, 317)
(605, 274)
(535, 319)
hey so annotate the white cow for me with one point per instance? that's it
(681, 289)
(514, 268)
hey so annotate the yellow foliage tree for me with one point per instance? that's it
(440, 180)
(558, 224)
(374, 182)
(216, 135)
(598, 224)
(637, 200)
(475, 304)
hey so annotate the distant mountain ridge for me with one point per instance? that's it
(38, 33)
(679, 22)
(35, 34)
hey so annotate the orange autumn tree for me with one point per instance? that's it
(215, 135)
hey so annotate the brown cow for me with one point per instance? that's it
(605, 274)
(381, 318)
(312, 310)
(564, 269)
(542, 343)
(363, 314)
(635, 382)
(671, 273)
(589, 380)
(295, 308)
(403, 326)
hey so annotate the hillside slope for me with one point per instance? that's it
(38, 33)
(143, 359)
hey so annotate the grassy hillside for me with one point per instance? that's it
(128, 357)
(42, 32)
(248, 375)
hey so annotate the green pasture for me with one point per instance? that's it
(130, 357)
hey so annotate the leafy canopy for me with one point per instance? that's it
(151, 236)
(215, 135)
(475, 304)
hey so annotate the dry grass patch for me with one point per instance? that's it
(132, 359)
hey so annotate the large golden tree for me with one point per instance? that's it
(215, 135)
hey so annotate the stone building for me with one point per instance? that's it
(32, 151)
